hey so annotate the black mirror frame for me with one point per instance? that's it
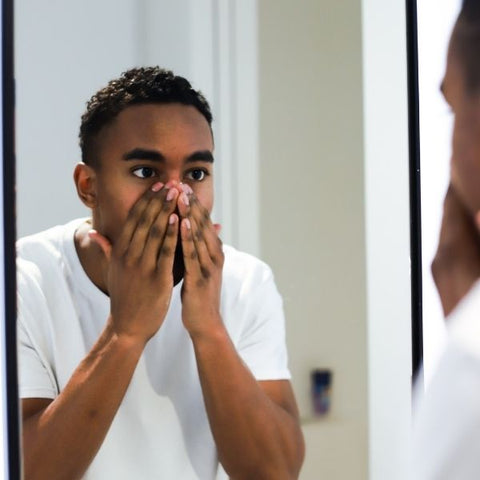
(11, 415)
(415, 197)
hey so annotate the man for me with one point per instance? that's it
(447, 430)
(148, 350)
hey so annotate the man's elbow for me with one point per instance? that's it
(285, 467)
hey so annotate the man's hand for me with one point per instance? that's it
(139, 281)
(456, 265)
(203, 259)
(259, 418)
(139, 276)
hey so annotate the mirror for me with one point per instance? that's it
(436, 122)
(291, 88)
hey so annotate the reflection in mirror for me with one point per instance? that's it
(436, 123)
(449, 141)
(290, 171)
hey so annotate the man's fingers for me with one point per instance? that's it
(199, 212)
(133, 217)
(158, 230)
(166, 255)
(102, 242)
(152, 225)
(456, 265)
(209, 231)
(199, 241)
(183, 204)
(457, 221)
(190, 255)
(214, 244)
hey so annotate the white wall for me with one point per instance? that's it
(312, 213)
(335, 221)
(64, 52)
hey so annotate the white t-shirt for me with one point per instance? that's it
(446, 434)
(161, 429)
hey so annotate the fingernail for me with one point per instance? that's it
(92, 232)
(157, 186)
(171, 194)
(185, 199)
(172, 219)
(186, 188)
(188, 224)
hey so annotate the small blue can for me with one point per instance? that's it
(321, 382)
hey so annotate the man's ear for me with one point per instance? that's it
(86, 183)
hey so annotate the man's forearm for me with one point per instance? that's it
(61, 441)
(255, 437)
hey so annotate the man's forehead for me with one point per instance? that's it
(163, 113)
(151, 123)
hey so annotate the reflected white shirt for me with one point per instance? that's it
(161, 429)
(446, 439)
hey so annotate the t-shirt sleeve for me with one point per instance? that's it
(262, 345)
(36, 378)
(463, 324)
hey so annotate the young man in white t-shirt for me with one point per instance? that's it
(146, 348)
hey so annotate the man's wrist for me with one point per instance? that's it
(123, 339)
(211, 330)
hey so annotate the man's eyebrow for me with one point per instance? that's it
(144, 154)
(201, 156)
(156, 156)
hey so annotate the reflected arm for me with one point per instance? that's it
(61, 437)
(255, 424)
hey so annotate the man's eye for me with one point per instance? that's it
(197, 175)
(144, 172)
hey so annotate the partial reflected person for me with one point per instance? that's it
(147, 349)
(447, 418)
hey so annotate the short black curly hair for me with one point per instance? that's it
(135, 86)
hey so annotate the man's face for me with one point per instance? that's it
(146, 144)
(465, 162)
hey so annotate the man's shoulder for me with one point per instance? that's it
(43, 256)
(48, 242)
(243, 266)
(463, 323)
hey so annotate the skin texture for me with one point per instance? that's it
(465, 164)
(456, 265)
(141, 215)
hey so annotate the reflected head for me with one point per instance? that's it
(466, 44)
(133, 87)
